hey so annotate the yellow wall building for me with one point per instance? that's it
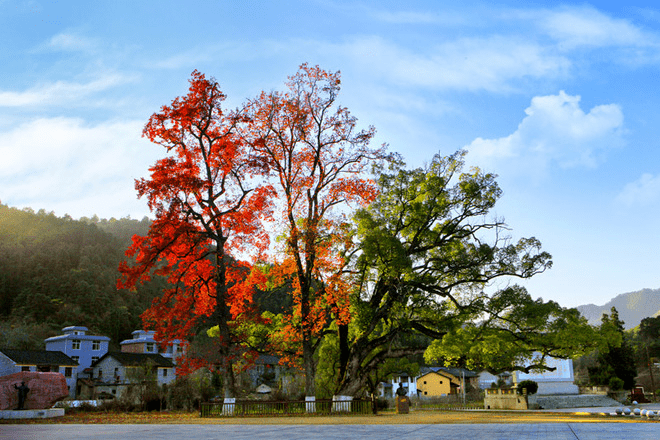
(437, 384)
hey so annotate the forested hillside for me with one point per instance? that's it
(56, 272)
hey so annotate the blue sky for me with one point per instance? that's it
(560, 100)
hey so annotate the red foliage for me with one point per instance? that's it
(209, 204)
(317, 160)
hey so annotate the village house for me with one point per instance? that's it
(81, 347)
(15, 361)
(431, 382)
(437, 383)
(143, 342)
(116, 371)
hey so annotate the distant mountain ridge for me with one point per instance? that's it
(632, 307)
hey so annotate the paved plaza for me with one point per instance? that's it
(553, 431)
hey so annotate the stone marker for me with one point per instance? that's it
(45, 390)
(402, 405)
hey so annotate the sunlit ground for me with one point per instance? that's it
(387, 418)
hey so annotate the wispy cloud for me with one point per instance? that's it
(492, 64)
(586, 26)
(70, 41)
(644, 191)
(555, 131)
(59, 92)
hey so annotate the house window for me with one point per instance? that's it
(68, 372)
(25, 368)
(95, 358)
(96, 345)
(75, 344)
(164, 372)
(100, 372)
(149, 347)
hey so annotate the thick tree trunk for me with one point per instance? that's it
(223, 316)
(344, 350)
(310, 366)
(307, 342)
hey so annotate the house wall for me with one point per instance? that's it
(409, 384)
(433, 384)
(113, 373)
(109, 370)
(558, 381)
(504, 399)
(133, 348)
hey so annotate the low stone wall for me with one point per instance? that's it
(601, 390)
(32, 413)
(505, 399)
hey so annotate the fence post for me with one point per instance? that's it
(341, 403)
(310, 404)
(228, 406)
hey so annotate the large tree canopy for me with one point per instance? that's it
(209, 204)
(317, 159)
(428, 252)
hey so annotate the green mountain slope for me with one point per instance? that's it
(632, 307)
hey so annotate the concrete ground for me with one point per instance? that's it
(606, 409)
(553, 431)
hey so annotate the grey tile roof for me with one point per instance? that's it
(38, 357)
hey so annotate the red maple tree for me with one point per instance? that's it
(317, 160)
(209, 200)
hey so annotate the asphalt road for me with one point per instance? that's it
(553, 431)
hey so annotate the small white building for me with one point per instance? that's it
(115, 371)
(409, 383)
(559, 381)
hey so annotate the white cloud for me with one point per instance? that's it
(493, 64)
(555, 131)
(642, 192)
(60, 92)
(587, 26)
(70, 41)
(446, 18)
(75, 168)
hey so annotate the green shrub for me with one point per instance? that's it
(615, 384)
(531, 386)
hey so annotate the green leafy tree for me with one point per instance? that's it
(617, 358)
(427, 251)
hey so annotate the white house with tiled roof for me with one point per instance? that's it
(116, 371)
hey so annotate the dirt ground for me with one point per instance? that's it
(415, 417)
